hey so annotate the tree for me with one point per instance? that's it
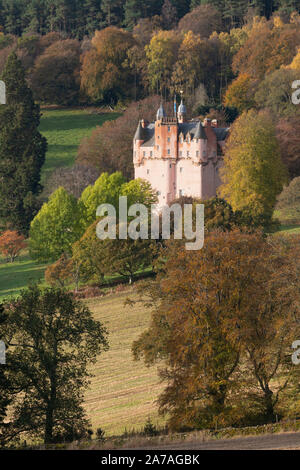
(106, 190)
(289, 143)
(253, 173)
(55, 340)
(56, 227)
(127, 257)
(11, 243)
(5, 384)
(105, 75)
(269, 46)
(203, 20)
(162, 53)
(274, 92)
(290, 198)
(109, 148)
(73, 179)
(240, 93)
(90, 256)
(55, 78)
(211, 310)
(134, 10)
(22, 150)
(59, 274)
(169, 15)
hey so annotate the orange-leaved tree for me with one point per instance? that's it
(11, 243)
(223, 322)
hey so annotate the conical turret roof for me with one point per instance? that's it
(140, 133)
(200, 132)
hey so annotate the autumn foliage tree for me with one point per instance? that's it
(109, 148)
(11, 243)
(269, 46)
(240, 93)
(289, 142)
(202, 20)
(105, 74)
(59, 274)
(223, 321)
(55, 77)
(253, 173)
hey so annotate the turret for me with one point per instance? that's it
(160, 113)
(181, 112)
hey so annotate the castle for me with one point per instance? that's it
(179, 157)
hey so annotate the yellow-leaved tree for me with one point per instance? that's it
(253, 173)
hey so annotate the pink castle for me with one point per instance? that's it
(179, 157)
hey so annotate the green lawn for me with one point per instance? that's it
(64, 129)
(16, 276)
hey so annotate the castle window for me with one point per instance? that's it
(148, 172)
(144, 154)
(170, 165)
(151, 153)
(204, 153)
(197, 153)
(157, 147)
(187, 153)
(169, 128)
(181, 169)
(169, 151)
(158, 193)
(169, 140)
(180, 153)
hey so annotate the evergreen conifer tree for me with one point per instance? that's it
(22, 150)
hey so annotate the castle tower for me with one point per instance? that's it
(181, 112)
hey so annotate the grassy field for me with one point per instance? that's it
(123, 391)
(16, 276)
(64, 129)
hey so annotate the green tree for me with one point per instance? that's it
(22, 149)
(55, 340)
(253, 173)
(106, 190)
(90, 256)
(56, 227)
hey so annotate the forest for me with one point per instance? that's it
(77, 18)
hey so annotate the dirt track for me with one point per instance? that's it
(268, 442)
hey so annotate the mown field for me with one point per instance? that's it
(123, 392)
